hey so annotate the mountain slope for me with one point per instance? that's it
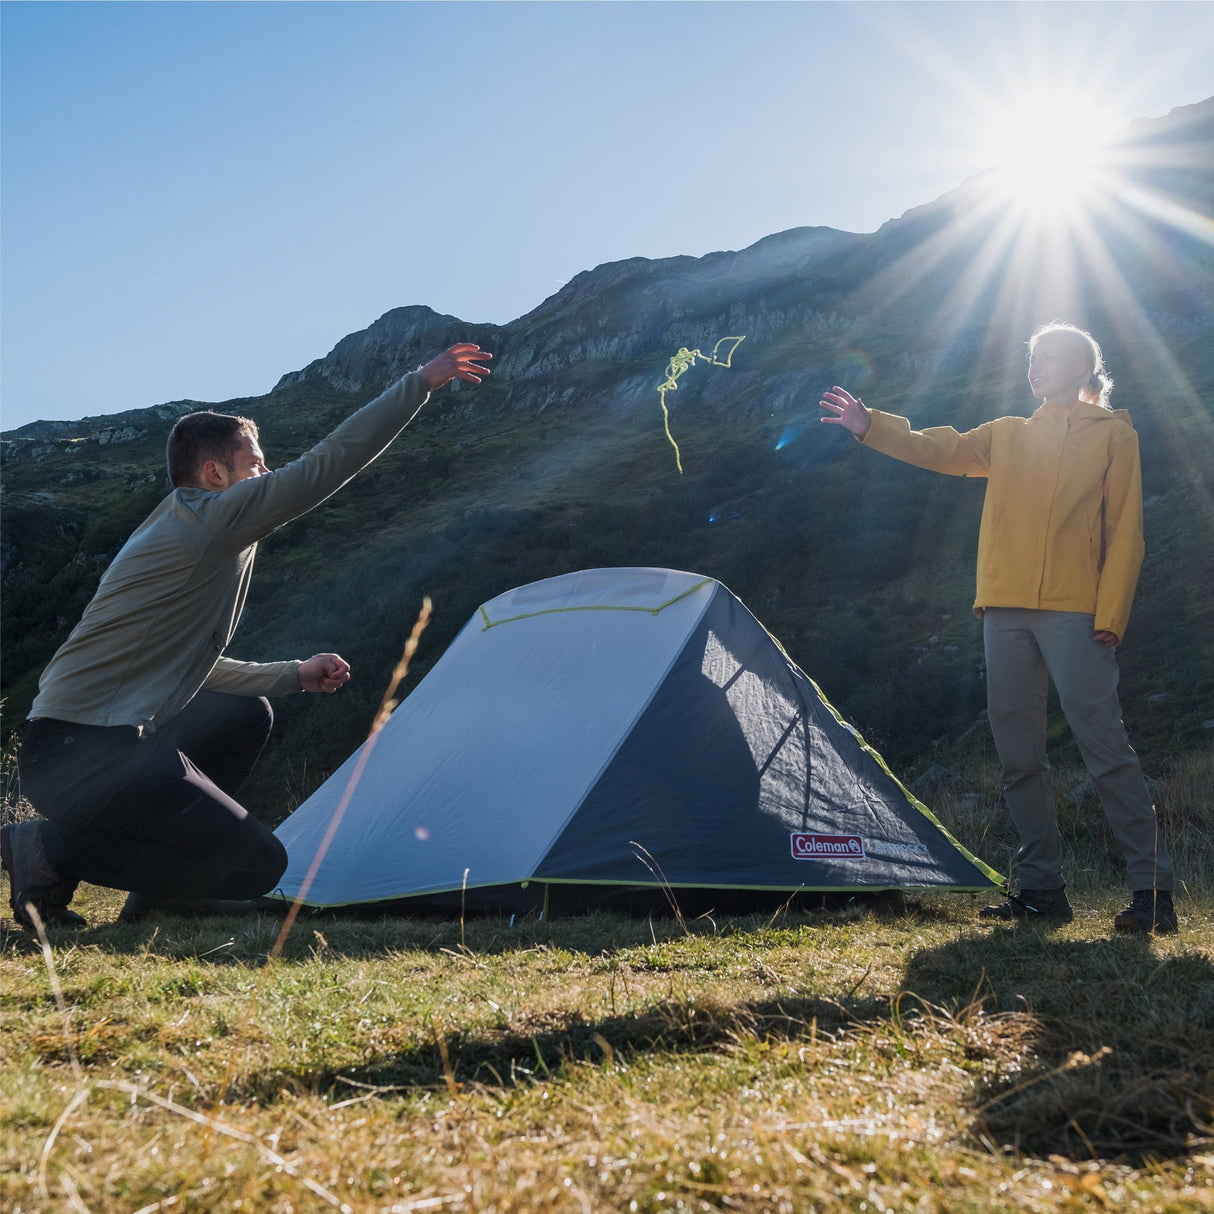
(862, 567)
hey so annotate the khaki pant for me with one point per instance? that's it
(1024, 649)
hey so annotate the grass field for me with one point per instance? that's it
(866, 1058)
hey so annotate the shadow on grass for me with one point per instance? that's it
(1122, 1058)
(1113, 1045)
(534, 1048)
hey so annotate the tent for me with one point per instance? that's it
(614, 730)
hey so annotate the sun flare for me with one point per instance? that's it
(1047, 151)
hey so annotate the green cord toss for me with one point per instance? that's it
(678, 364)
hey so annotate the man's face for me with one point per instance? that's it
(244, 463)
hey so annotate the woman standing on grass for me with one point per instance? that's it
(1059, 552)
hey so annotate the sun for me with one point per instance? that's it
(1047, 151)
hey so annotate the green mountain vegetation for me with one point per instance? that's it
(861, 567)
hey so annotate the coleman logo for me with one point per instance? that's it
(819, 847)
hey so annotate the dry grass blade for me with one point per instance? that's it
(387, 704)
(48, 959)
(220, 1127)
(401, 669)
(167, 1204)
(647, 859)
(82, 1094)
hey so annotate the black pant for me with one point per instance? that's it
(155, 814)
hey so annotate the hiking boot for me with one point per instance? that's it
(1032, 905)
(34, 879)
(1150, 910)
(139, 907)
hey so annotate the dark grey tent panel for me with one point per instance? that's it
(739, 774)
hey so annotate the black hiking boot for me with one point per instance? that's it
(1150, 910)
(1032, 905)
(34, 880)
(139, 907)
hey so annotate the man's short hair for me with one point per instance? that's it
(198, 437)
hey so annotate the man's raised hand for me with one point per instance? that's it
(459, 362)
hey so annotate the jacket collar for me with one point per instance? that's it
(1082, 409)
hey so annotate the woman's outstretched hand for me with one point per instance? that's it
(846, 410)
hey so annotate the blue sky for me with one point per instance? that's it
(199, 197)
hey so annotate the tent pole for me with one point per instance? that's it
(544, 912)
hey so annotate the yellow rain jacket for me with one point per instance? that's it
(1062, 521)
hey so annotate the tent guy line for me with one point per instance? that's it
(679, 363)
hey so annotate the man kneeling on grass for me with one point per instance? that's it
(142, 730)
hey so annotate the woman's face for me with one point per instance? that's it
(1058, 369)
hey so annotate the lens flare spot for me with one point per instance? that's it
(792, 432)
(422, 834)
(854, 369)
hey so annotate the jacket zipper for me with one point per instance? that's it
(1049, 520)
